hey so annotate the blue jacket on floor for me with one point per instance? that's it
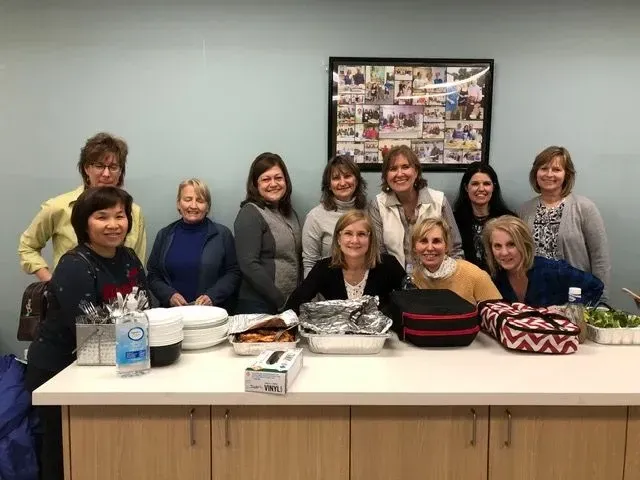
(17, 445)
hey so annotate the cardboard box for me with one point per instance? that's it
(273, 371)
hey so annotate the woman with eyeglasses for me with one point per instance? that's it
(355, 267)
(102, 163)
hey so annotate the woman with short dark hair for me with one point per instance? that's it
(267, 238)
(95, 271)
(103, 162)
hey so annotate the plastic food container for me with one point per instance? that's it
(614, 336)
(345, 344)
(162, 356)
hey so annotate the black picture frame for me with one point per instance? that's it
(376, 103)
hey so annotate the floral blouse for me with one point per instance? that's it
(546, 226)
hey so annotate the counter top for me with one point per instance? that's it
(481, 374)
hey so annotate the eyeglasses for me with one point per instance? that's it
(358, 235)
(113, 167)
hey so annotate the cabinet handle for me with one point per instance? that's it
(507, 443)
(227, 440)
(474, 431)
(192, 437)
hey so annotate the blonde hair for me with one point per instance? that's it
(420, 231)
(547, 156)
(201, 189)
(520, 234)
(372, 257)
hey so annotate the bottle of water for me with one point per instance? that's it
(575, 311)
(407, 281)
(132, 344)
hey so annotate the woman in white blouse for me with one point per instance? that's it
(355, 267)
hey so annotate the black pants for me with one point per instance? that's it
(49, 433)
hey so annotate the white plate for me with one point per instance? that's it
(213, 332)
(198, 314)
(201, 345)
(161, 316)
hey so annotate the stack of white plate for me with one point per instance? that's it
(165, 326)
(203, 326)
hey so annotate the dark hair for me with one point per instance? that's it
(96, 148)
(462, 206)
(344, 164)
(261, 164)
(413, 160)
(94, 199)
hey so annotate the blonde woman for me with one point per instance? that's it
(193, 259)
(565, 226)
(355, 267)
(435, 269)
(522, 276)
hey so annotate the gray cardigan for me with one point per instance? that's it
(268, 247)
(582, 239)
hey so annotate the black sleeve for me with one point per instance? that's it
(161, 290)
(395, 272)
(73, 280)
(310, 286)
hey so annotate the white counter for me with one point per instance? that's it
(482, 374)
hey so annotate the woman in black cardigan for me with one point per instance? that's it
(479, 200)
(355, 267)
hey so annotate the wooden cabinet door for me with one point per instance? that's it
(632, 460)
(140, 442)
(280, 443)
(548, 443)
(425, 443)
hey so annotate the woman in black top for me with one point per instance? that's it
(479, 200)
(96, 270)
(355, 267)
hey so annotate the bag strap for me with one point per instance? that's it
(86, 259)
(547, 317)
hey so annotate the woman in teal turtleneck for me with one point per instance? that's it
(343, 189)
(193, 259)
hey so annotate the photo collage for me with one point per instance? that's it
(438, 111)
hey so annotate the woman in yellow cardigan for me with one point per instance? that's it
(435, 269)
(102, 163)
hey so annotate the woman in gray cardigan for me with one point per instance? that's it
(565, 226)
(268, 239)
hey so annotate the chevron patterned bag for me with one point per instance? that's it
(520, 327)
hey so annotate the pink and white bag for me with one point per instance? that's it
(520, 327)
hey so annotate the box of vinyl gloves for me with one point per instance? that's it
(273, 371)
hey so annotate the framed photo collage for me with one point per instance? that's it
(441, 108)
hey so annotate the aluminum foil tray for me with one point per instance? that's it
(614, 336)
(256, 348)
(341, 344)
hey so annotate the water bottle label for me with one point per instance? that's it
(131, 344)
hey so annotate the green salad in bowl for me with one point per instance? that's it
(610, 318)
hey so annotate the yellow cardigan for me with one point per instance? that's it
(54, 222)
(468, 281)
